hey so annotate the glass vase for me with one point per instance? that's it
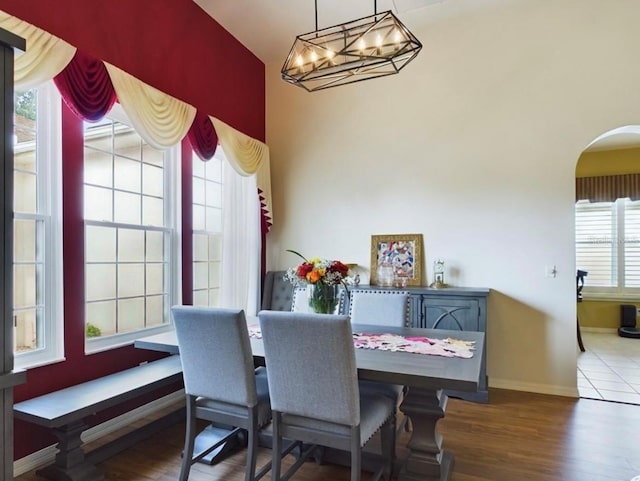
(323, 298)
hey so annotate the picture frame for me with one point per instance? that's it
(403, 252)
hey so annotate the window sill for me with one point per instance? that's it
(37, 363)
(107, 343)
(608, 297)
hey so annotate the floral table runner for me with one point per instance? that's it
(393, 342)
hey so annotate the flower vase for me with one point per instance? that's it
(323, 298)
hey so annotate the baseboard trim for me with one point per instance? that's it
(533, 388)
(47, 455)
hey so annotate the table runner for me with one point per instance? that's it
(448, 347)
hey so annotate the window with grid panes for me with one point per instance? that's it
(207, 230)
(608, 246)
(37, 236)
(129, 229)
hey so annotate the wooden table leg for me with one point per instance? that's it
(427, 461)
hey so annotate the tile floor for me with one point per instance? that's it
(610, 368)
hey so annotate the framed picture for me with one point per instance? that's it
(396, 256)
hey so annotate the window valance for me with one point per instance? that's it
(90, 86)
(608, 188)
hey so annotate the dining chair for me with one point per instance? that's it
(277, 291)
(220, 381)
(381, 308)
(313, 384)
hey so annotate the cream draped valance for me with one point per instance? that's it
(161, 119)
(46, 55)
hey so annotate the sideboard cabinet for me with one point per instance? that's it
(453, 308)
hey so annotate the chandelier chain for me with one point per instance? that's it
(375, 10)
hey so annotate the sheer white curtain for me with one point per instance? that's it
(241, 243)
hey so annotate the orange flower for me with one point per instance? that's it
(314, 276)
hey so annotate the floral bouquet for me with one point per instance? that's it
(322, 278)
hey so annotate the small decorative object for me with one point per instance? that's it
(396, 259)
(438, 275)
(400, 280)
(384, 274)
(323, 278)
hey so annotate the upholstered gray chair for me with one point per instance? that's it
(381, 308)
(220, 382)
(277, 292)
(300, 301)
(314, 392)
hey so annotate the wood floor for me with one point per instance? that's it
(516, 437)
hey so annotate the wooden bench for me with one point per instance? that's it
(64, 411)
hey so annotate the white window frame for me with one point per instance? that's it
(49, 190)
(172, 222)
(620, 292)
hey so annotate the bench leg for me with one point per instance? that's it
(70, 464)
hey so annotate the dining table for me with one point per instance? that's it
(426, 376)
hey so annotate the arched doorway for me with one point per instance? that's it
(608, 249)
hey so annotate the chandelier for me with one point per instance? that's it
(370, 47)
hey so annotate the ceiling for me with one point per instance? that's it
(269, 27)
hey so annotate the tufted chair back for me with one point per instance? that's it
(277, 293)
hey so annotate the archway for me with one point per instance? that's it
(607, 246)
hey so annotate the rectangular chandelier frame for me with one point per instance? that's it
(362, 49)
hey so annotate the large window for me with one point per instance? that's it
(207, 229)
(608, 246)
(37, 240)
(130, 261)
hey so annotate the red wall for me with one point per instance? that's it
(170, 44)
(176, 47)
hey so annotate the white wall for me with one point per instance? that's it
(474, 145)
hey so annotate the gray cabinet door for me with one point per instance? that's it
(452, 314)
(459, 314)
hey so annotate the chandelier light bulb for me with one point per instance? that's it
(361, 44)
(397, 38)
(378, 44)
(299, 61)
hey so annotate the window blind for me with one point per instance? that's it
(596, 242)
